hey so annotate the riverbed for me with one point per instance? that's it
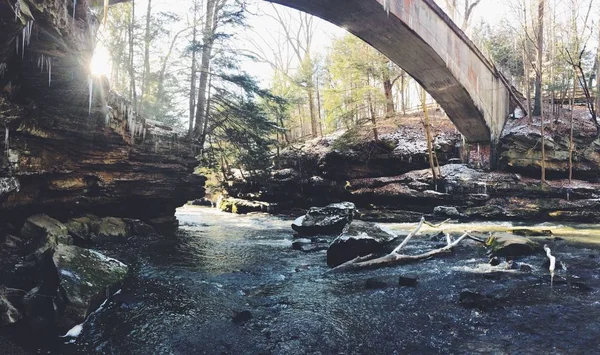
(232, 284)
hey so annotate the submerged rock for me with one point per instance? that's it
(242, 317)
(327, 220)
(509, 245)
(407, 281)
(470, 299)
(524, 232)
(358, 239)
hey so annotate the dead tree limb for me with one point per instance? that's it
(394, 258)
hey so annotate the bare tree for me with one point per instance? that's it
(469, 7)
(213, 9)
(540, 58)
(132, 89)
(147, 39)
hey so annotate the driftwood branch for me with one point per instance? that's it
(394, 258)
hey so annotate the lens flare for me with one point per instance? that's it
(100, 65)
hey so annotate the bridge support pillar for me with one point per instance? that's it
(494, 158)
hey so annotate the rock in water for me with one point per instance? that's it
(407, 281)
(113, 229)
(327, 220)
(510, 245)
(75, 281)
(358, 239)
(8, 313)
(43, 232)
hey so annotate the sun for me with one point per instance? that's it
(100, 65)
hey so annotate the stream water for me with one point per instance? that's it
(231, 284)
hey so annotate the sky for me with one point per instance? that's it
(263, 28)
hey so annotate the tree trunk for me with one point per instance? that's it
(428, 135)
(537, 109)
(373, 120)
(319, 108)
(314, 125)
(402, 92)
(146, 73)
(163, 69)
(192, 99)
(132, 92)
(598, 70)
(390, 110)
(571, 145)
(205, 127)
(208, 39)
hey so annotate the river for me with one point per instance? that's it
(232, 284)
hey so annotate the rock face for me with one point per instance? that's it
(62, 156)
(328, 220)
(315, 173)
(358, 239)
(520, 148)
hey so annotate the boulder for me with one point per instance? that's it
(42, 232)
(112, 228)
(510, 246)
(8, 313)
(240, 206)
(83, 228)
(328, 220)
(74, 283)
(358, 239)
(446, 211)
(202, 202)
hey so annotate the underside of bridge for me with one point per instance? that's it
(422, 40)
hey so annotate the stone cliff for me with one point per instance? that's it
(70, 145)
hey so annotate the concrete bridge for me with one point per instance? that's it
(420, 38)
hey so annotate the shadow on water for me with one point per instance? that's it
(186, 295)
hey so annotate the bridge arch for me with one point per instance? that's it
(420, 38)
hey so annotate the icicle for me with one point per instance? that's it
(107, 117)
(17, 45)
(91, 93)
(2, 70)
(23, 45)
(144, 134)
(74, 7)
(49, 71)
(6, 141)
(17, 10)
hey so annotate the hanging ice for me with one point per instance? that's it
(74, 7)
(2, 70)
(49, 71)
(17, 10)
(91, 92)
(6, 141)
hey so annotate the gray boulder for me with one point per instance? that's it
(75, 281)
(358, 239)
(8, 313)
(111, 229)
(328, 220)
(510, 245)
(42, 233)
